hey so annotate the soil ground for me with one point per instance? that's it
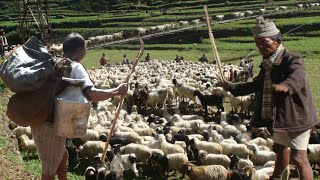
(11, 163)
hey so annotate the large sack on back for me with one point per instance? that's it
(31, 108)
(28, 68)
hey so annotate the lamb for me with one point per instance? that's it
(153, 98)
(183, 23)
(262, 10)
(128, 161)
(27, 144)
(239, 163)
(212, 172)
(91, 148)
(170, 161)
(210, 100)
(195, 22)
(219, 17)
(209, 147)
(142, 152)
(168, 148)
(142, 131)
(240, 150)
(248, 13)
(57, 49)
(183, 91)
(91, 135)
(260, 157)
(20, 130)
(314, 154)
(214, 159)
(260, 174)
(73, 155)
(131, 137)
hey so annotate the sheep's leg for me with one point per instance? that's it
(205, 111)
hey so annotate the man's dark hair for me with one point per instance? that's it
(72, 42)
(277, 37)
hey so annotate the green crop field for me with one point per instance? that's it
(301, 29)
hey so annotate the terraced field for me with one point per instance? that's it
(233, 39)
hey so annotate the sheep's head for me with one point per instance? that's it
(143, 94)
(205, 135)
(234, 161)
(202, 154)
(249, 171)
(132, 158)
(196, 93)
(186, 168)
(174, 82)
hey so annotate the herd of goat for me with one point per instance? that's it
(165, 127)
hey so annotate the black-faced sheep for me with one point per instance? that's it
(170, 161)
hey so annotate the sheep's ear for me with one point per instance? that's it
(308, 151)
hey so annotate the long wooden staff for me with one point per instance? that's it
(121, 100)
(214, 47)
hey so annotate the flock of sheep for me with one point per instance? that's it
(101, 39)
(154, 131)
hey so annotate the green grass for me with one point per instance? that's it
(33, 165)
(231, 47)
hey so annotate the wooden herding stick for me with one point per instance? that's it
(214, 47)
(121, 101)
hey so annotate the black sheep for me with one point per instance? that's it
(210, 100)
(73, 153)
(234, 162)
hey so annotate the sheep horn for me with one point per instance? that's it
(121, 100)
(214, 47)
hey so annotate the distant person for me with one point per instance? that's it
(178, 58)
(246, 71)
(250, 67)
(203, 59)
(125, 60)
(3, 43)
(104, 61)
(147, 59)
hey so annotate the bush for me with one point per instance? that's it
(14, 38)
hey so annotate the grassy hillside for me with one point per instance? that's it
(234, 39)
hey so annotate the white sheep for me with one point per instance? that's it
(170, 161)
(91, 148)
(260, 157)
(128, 162)
(131, 137)
(27, 144)
(20, 130)
(210, 147)
(184, 91)
(261, 174)
(219, 17)
(168, 148)
(183, 23)
(240, 150)
(142, 152)
(314, 153)
(212, 172)
(214, 159)
(91, 135)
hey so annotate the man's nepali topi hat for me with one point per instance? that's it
(264, 28)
